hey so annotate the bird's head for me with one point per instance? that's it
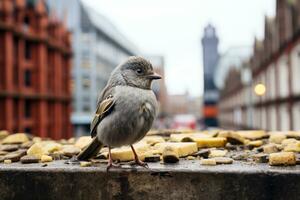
(138, 72)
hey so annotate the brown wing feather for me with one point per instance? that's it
(102, 110)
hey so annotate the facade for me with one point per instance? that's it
(229, 63)
(232, 58)
(184, 104)
(210, 59)
(98, 48)
(275, 63)
(35, 58)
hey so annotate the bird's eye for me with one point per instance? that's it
(139, 71)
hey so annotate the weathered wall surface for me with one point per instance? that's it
(185, 181)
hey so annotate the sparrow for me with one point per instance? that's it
(126, 109)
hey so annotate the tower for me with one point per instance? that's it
(210, 43)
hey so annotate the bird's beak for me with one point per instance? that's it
(154, 76)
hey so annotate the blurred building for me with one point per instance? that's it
(178, 104)
(184, 104)
(159, 87)
(98, 48)
(275, 65)
(35, 55)
(210, 59)
(229, 64)
(232, 58)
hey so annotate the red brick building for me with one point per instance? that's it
(275, 63)
(35, 60)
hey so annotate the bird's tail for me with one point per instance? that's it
(91, 150)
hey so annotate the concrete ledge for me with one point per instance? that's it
(187, 180)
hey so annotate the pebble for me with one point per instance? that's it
(15, 156)
(285, 142)
(56, 156)
(46, 158)
(261, 158)
(255, 143)
(9, 147)
(217, 153)
(203, 153)
(293, 147)
(71, 140)
(259, 149)
(27, 145)
(85, 164)
(270, 148)
(293, 134)
(282, 158)
(7, 161)
(240, 156)
(29, 159)
(37, 150)
(231, 146)
(152, 158)
(208, 161)
(2, 153)
(17, 138)
(232, 137)
(223, 160)
(190, 158)
(277, 138)
(70, 150)
(170, 155)
(83, 141)
(3, 134)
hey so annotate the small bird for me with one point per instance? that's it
(125, 111)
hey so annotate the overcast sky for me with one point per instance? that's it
(173, 28)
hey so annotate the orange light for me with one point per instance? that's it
(210, 111)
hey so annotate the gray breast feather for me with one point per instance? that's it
(132, 117)
(147, 110)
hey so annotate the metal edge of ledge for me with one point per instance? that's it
(184, 166)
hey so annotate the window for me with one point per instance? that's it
(86, 82)
(26, 24)
(86, 108)
(28, 53)
(27, 130)
(27, 78)
(27, 109)
(16, 68)
(85, 54)
(72, 85)
(86, 99)
(16, 109)
(85, 64)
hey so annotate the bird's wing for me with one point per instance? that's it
(103, 109)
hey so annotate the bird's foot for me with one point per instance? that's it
(72, 160)
(111, 164)
(141, 163)
(137, 160)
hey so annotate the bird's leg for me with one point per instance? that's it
(137, 160)
(110, 161)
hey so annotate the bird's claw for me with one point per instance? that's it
(72, 160)
(142, 164)
(110, 165)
